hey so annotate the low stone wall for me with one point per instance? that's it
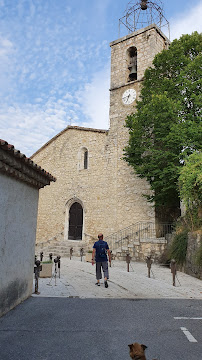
(141, 249)
(194, 241)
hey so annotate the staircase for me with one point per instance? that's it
(139, 240)
(57, 246)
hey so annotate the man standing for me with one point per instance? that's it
(99, 255)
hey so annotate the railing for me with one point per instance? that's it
(140, 231)
(49, 241)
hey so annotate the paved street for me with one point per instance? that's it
(74, 319)
(78, 280)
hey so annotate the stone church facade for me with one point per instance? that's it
(96, 190)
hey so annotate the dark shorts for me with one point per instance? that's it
(104, 266)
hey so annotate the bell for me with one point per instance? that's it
(144, 5)
(133, 73)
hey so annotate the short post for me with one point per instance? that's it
(41, 256)
(59, 257)
(81, 253)
(149, 264)
(128, 258)
(70, 253)
(111, 258)
(37, 270)
(51, 256)
(55, 274)
(173, 270)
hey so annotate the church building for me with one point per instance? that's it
(96, 190)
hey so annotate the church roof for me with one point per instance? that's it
(69, 127)
(17, 165)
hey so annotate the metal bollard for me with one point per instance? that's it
(55, 273)
(37, 269)
(59, 257)
(110, 264)
(149, 264)
(51, 256)
(173, 270)
(81, 253)
(41, 256)
(70, 253)
(128, 258)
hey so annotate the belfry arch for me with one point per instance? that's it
(132, 63)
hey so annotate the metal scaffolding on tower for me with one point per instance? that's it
(141, 13)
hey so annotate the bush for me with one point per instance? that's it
(178, 249)
(198, 258)
(190, 184)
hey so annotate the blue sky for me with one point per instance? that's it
(55, 63)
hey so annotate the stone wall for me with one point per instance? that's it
(194, 242)
(142, 249)
(111, 198)
(108, 190)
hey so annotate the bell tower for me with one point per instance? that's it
(131, 55)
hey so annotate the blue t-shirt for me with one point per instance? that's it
(101, 248)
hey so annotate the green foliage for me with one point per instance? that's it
(178, 249)
(167, 125)
(47, 262)
(190, 184)
(198, 258)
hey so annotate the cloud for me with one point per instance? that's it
(187, 21)
(94, 99)
(6, 55)
(29, 126)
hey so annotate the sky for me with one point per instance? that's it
(55, 63)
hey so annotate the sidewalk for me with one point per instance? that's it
(77, 279)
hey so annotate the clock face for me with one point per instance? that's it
(129, 96)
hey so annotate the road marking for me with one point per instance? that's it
(188, 318)
(188, 335)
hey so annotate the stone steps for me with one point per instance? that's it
(58, 248)
(62, 248)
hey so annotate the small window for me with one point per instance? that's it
(86, 159)
(83, 159)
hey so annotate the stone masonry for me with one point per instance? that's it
(108, 190)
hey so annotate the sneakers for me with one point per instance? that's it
(106, 284)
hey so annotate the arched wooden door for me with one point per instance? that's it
(75, 222)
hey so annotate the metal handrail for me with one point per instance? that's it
(140, 231)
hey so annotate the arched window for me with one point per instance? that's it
(85, 160)
(132, 63)
(75, 222)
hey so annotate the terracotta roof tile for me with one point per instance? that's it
(17, 164)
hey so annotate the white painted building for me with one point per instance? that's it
(20, 181)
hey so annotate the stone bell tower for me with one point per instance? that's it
(131, 55)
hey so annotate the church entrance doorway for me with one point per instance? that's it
(75, 222)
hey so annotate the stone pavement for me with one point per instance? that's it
(77, 279)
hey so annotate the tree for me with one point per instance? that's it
(166, 126)
(190, 183)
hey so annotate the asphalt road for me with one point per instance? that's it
(75, 328)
